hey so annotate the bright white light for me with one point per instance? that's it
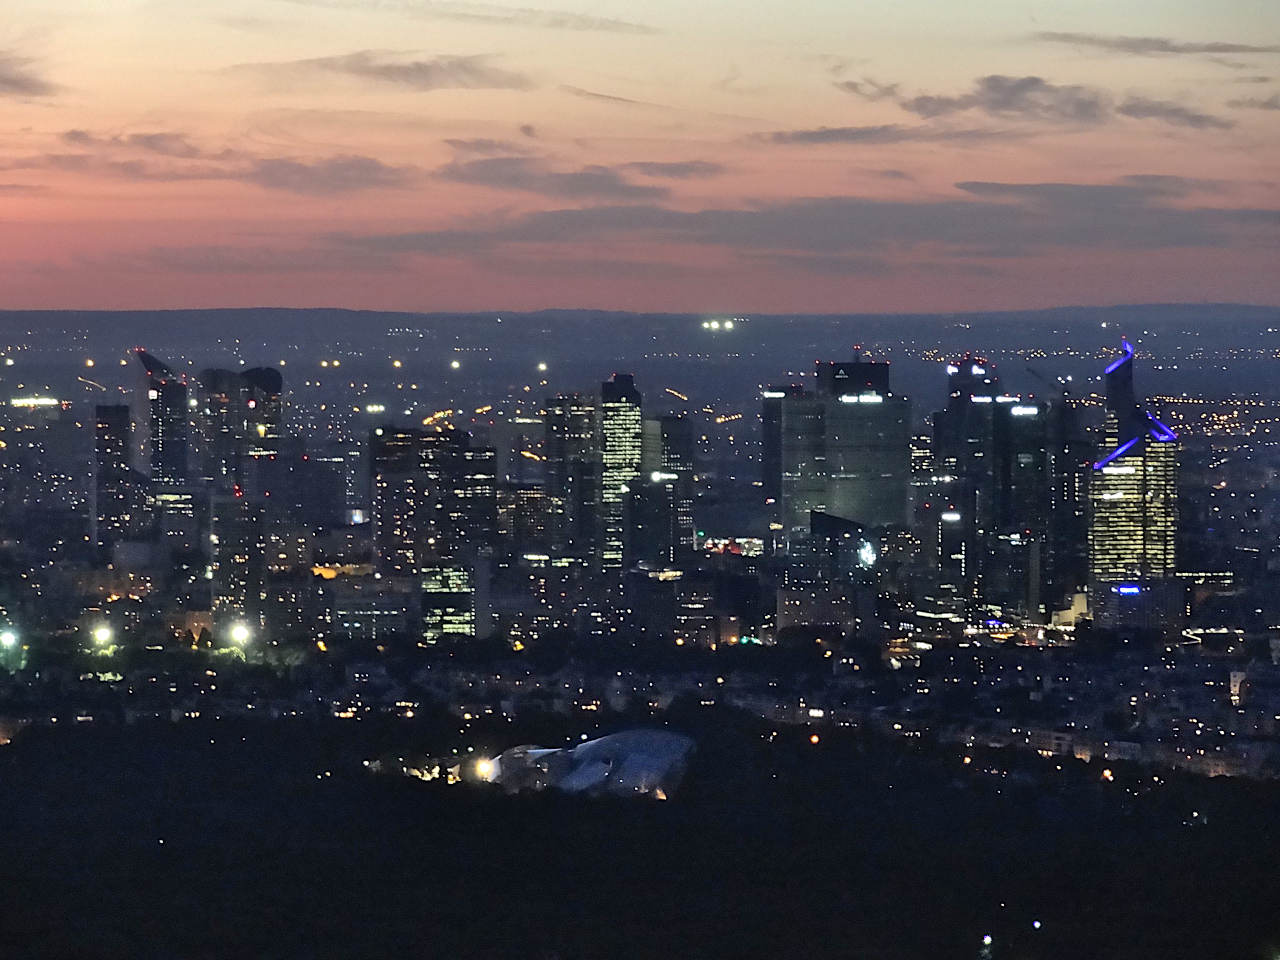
(8, 639)
(1023, 411)
(867, 555)
(542, 368)
(715, 324)
(951, 517)
(978, 371)
(240, 634)
(485, 769)
(728, 324)
(456, 364)
(952, 369)
(102, 635)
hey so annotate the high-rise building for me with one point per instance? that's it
(1133, 499)
(237, 550)
(621, 447)
(166, 418)
(434, 519)
(572, 474)
(842, 448)
(117, 496)
(1003, 465)
(240, 421)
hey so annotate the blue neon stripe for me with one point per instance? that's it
(1119, 451)
(1128, 355)
(1161, 432)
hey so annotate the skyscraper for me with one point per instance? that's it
(1133, 499)
(166, 420)
(842, 448)
(621, 432)
(117, 498)
(240, 422)
(434, 517)
(572, 474)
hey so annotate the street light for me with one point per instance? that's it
(8, 639)
(240, 634)
(102, 635)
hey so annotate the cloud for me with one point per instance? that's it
(17, 79)
(489, 13)
(1142, 108)
(14, 188)
(869, 89)
(529, 130)
(1034, 98)
(532, 175)
(607, 97)
(867, 266)
(675, 170)
(318, 177)
(1025, 97)
(472, 72)
(882, 133)
(340, 174)
(483, 146)
(164, 143)
(1150, 46)
(225, 258)
(1256, 103)
(986, 219)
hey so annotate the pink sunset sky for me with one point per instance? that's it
(778, 155)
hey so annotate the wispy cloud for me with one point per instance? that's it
(884, 133)
(606, 97)
(869, 89)
(117, 158)
(986, 219)
(18, 77)
(1256, 103)
(165, 143)
(487, 13)
(1143, 108)
(473, 72)
(483, 146)
(533, 175)
(1151, 46)
(1036, 99)
(1027, 97)
(255, 259)
(340, 174)
(675, 170)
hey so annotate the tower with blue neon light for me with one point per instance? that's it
(1133, 499)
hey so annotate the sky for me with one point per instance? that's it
(715, 156)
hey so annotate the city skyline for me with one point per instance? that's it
(465, 156)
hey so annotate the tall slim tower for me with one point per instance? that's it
(572, 476)
(167, 419)
(1133, 498)
(116, 499)
(621, 447)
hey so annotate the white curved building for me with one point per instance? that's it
(629, 763)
